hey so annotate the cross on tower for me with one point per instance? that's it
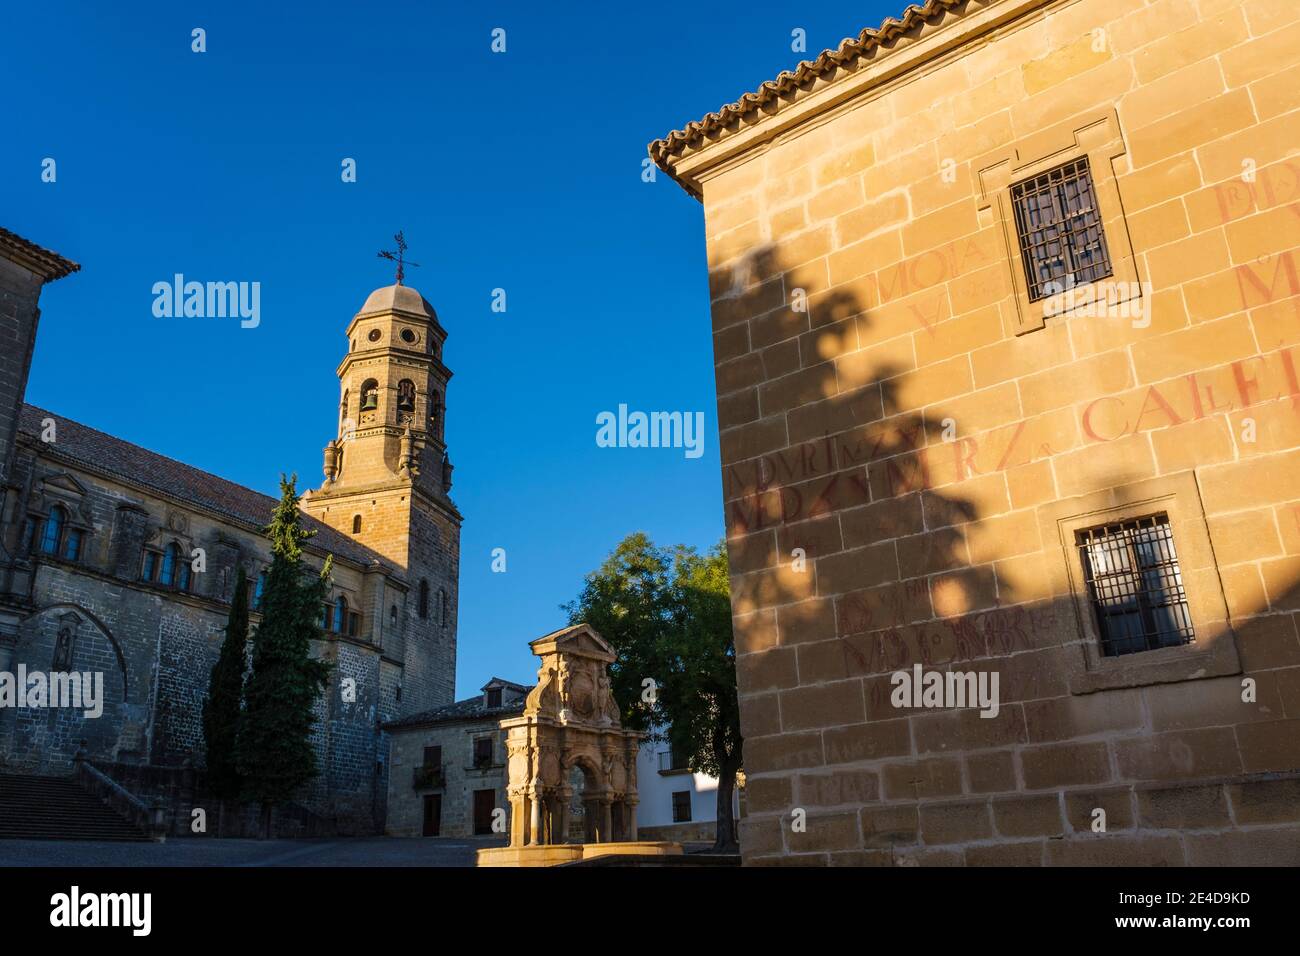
(399, 256)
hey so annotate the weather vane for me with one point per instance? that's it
(399, 256)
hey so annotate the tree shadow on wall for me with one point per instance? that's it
(876, 520)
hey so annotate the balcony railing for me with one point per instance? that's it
(429, 778)
(668, 763)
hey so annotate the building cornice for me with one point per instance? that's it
(43, 262)
(860, 65)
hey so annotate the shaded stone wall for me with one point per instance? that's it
(19, 292)
(156, 646)
(462, 778)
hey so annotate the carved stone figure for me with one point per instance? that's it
(63, 650)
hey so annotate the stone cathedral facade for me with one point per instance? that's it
(97, 538)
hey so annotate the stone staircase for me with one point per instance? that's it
(57, 808)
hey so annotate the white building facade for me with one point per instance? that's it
(676, 804)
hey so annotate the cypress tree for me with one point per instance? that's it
(222, 706)
(274, 749)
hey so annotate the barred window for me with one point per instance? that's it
(1059, 228)
(681, 806)
(1135, 585)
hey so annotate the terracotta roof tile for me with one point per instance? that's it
(81, 444)
(471, 708)
(50, 265)
(807, 72)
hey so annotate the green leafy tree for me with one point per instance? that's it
(221, 708)
(667, 614)
(274, 750)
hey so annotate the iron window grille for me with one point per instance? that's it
(1135, 585)
(1058, 225)
(682, 806)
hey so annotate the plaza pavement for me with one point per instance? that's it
(357, 851)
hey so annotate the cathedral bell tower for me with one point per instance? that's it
(391, 409)
(388, 482)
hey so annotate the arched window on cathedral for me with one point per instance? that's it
(424, 599)
(369, 395)
(343, 409)
(356, 524)
(340, 614)
(170, 557)
(445, 604)
(53, 530)
(258, 590)
(392, 615)
(406, 395)
(183, 578)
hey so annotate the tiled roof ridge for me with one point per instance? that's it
(508, 683)
(341, 544)
(807, 71)
(470, 708)
(47, 262)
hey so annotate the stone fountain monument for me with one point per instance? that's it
(571, 721)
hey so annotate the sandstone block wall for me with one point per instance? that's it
(931, 442)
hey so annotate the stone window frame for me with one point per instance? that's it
(1097, 137)
(474, 762)
(39, 514)
(1213, 652)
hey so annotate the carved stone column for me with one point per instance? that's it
(631, 818)
(534, 818)
(606, 820)
(517, 819)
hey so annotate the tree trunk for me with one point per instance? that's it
(726, 837)
(221, 818)
(266, 820)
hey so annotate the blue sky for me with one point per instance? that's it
(518, 171)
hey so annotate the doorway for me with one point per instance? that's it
(485, 802)
(432, 814)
